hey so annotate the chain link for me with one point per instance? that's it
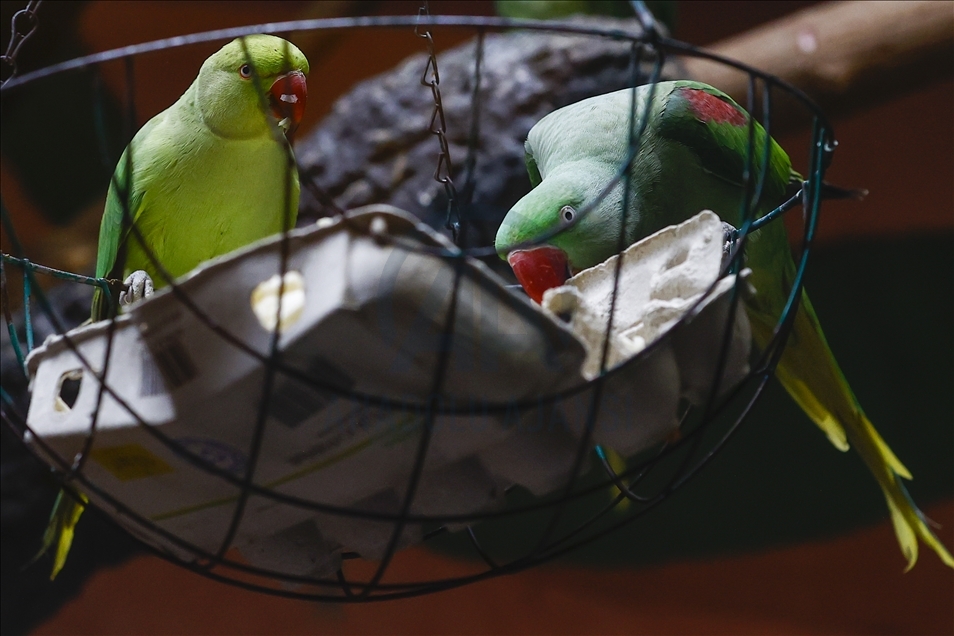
(438, 126)
(22, 26)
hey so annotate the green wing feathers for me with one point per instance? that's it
(113, 231)
(111, 227)
(717, 129)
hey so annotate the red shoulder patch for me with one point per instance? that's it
(707, 107)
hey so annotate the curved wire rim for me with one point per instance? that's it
(416, 588)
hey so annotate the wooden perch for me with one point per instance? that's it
(845, 55)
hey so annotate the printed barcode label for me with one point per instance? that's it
(151, 383)
(174, 363)
(294, 401)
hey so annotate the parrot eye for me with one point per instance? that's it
(567, 212)
(245, 71)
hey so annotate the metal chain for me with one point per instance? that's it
(22, 26)
(438, 126)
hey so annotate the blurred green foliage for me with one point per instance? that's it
(663, 10)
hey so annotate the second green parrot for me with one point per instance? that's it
(691, 157)
(208, 175)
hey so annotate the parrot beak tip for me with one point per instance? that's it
(539, 269)
(288, 95)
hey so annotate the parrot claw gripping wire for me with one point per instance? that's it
(139, 286)
(729, 237)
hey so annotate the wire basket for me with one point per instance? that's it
(647, 480)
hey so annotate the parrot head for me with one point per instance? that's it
(251, 84)
(561, 226)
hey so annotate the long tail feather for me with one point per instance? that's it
(618, 464)
(810, 374)
(67, 510)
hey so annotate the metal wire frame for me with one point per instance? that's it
(339, 588)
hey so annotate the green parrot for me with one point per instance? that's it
(690, 158)
(210, 174)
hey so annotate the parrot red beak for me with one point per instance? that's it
(288, 95)
(539, 269)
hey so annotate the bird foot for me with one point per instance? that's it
(138, 286)
(728, 242)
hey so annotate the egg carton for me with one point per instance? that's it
(318, 375)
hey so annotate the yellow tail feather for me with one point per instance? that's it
(818, 414)
(902, 529)
(810, 374)
(910, 524)
(884, 450)
(618, 464)
(67, 510)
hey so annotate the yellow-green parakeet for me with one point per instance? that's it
(210, 174)
(690, 158)
(213, 172)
